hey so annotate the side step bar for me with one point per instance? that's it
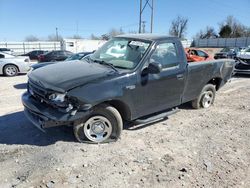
(150, 119)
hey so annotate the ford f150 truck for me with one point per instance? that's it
(132, 78)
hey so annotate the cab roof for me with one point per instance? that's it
(151, 37)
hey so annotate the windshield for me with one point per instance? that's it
(74, 57)
(228, 50)
(225, 50)
(121, 52)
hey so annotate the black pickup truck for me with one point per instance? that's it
(137, 79)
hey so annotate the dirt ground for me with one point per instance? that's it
(193, 148)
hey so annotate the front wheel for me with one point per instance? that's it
(103, 125)
(206, 97)
(10, 70)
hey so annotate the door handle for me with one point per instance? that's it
(180, 76)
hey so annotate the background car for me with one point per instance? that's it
(56, 55)
(33, 55)
(196, 55)
(244, 55)
(12, 65)
(229, 52)
(242, 67)
(77, 56)
(6, 50)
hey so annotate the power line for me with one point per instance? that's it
(142, 8)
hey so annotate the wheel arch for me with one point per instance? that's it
(216, 81)
(122, 108)
(11, 64)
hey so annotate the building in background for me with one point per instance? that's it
(73, 45)
(81, 45)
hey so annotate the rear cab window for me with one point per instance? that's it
(166, 54)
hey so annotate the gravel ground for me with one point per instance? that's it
(193, 148)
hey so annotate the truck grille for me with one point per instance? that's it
(37, 91)
(41, 95)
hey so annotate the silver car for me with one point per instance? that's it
(12, 65)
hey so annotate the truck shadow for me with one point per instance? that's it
(20, 86)
(241, 76)
(186, 106)
(134, 127)
(16, 129)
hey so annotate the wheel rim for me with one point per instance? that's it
(97, 128)
(10, 70)
(207, 99)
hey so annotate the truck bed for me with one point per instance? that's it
(200, 73)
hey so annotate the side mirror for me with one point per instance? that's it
(154, 68)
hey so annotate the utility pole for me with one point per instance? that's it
(143, 26)
(56, 34)
(150, 4)
(140, 16)
(152, 16)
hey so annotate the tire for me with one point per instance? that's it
(206, 97)
(103, 125)
(10, 70)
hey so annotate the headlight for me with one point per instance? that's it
(30, 70)
(57, 97)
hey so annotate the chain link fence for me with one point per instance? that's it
(222, 42)
(25, 47)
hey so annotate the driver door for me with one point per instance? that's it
(163, 90)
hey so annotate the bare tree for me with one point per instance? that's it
(207, 33)
(31, 38)
(178, 27)
(76, 37)
(94, 37)
(114, 32)
(237, 28)
(53, 37)
(247, 32)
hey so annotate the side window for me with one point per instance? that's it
(2, 56)
(201, 54)
(165, 54)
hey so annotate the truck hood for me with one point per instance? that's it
(64, 76)
(39, 65)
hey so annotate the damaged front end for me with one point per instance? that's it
(242, 67)
(46, 108)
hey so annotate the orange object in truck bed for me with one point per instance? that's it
(196, 55)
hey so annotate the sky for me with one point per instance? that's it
(21, 18)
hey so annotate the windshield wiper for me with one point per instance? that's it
(105, 63)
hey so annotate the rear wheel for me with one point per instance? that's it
(10, 70)
(103, 125)
(206, 97)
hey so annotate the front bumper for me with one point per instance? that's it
(44, 116)
(242, 68)
(240, 71)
